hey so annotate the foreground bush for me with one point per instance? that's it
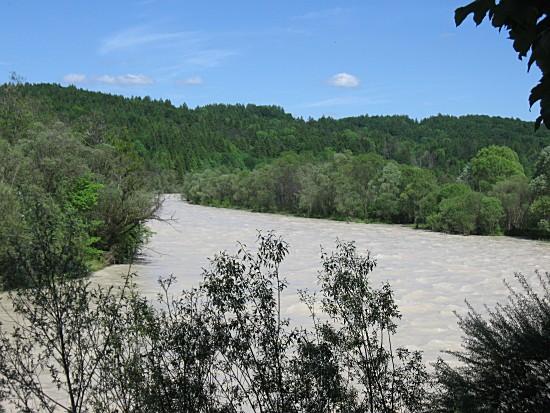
(222, 347)
(505, 361)
(225, 345)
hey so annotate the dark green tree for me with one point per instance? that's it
(49, 243)
(416, 183)
(162, 356)
(540, 211)
(316, 198)
(255, 343)
(384, 193)
(16, 112)
(463, 211)
(61, 333)
(514, 195)
(540, 184)
(363, 323)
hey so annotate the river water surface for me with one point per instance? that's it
(432, 274)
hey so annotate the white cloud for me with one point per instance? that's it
(345, 101)
(74, 78)
(344, 80)
(126, 80)
(190, 81)
(140, 36)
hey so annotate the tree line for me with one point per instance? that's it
(177, 140)
(492, 194)
(57, 182)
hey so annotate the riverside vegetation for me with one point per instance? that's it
(467, 175)
(223, 346)
(78, 176)
(56, 181)
(492, 195)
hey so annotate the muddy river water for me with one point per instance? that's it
(432, 274)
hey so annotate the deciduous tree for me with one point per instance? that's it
(494, 164)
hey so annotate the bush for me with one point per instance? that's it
(468, 213)
(222, 347)
(50, 244)
(505, 361)
(540, 210)
(363, 323)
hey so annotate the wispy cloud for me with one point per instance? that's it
(173, 48)
(190, 81)
(209, 58)
(344, 80)
(126, 80)
(322, 14)
(140, 36)
(330, 102)
(75, 78)
(343, 101)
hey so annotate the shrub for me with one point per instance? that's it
(221, 347)
(505, 361)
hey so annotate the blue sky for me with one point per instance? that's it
(312, 57)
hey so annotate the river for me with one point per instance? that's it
(432, 274)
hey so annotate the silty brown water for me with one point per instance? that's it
(431, 273)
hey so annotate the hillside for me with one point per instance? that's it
(184, 139)
(88, 164)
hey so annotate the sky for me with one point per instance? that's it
(312, 57)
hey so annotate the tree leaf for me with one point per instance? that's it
(536, 94)
(479, 8)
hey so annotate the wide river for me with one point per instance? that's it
(432, 274)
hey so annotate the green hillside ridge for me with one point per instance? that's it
(91, 163)
(185, 139)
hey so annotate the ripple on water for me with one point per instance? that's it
(432, 274)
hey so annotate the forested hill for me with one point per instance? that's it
(182, 139)
(87, 165)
